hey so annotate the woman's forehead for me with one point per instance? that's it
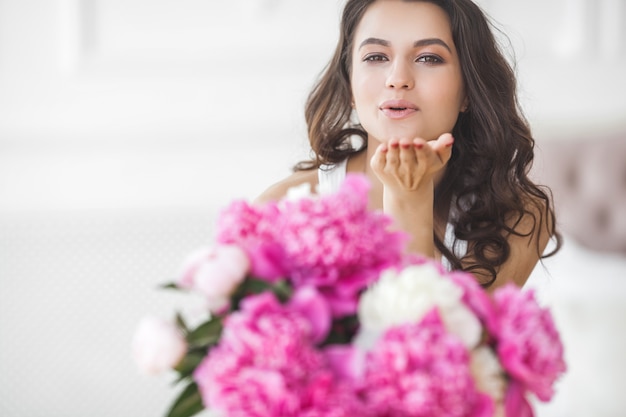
(400, 20)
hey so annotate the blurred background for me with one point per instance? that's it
(126, 125)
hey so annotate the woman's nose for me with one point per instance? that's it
(400, 76)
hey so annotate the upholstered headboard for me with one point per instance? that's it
(588, 179)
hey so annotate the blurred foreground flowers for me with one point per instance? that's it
(314, 309)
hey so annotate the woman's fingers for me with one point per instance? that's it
(407, 163)
(379, 159)
(392, 159)
(443, 147)
(407, 151)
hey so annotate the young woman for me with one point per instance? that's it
(440, 135)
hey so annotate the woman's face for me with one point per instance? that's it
(406, 78)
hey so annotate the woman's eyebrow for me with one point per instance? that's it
(431, 41)
(416, 44)
(374, 41)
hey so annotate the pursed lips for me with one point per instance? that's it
(398, 109)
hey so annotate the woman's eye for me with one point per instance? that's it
(430, 59)
(375, 58)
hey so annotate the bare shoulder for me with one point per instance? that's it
(533, 231)
(278, 190)
(538, 222)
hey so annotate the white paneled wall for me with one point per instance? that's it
(156, 68)
(117, 90)
(126, 124)
(571, 54)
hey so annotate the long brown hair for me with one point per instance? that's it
(487, 176)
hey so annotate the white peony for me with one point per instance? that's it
(488, 373)
(405, 297)
(157, 345)
(215, 272)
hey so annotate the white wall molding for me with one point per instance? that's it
(591, 28)
(192, 37)
(612, 29)
(100, 70)
(76, 34)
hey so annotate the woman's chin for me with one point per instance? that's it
(387, 130)
(390, 134)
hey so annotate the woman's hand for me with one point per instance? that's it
(403, 165)
(407, 171)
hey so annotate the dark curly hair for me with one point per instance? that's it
(487, 177)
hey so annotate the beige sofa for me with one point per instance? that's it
(588, 179)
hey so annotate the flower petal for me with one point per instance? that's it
(308, 302)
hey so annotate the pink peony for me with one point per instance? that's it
(515, 402)
(157, 345)
(215, 272)
(528, 343)
(311, 305)
(332, 242)
(253, 227)
(337, 245)
(422, 370)
(346, 361)
(266, 365)
(325, 396)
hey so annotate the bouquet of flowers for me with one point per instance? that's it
(314, 309)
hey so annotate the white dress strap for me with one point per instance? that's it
(330, 177)
(457, 247)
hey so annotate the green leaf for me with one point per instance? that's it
(188, 403)
(282, 290)
(180, 322)
(189, 364)
(342, 330)
(248, 287)
(251, 285)
(171, 286)
(206, 334)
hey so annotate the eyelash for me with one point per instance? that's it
(429, 59)
(375, 58)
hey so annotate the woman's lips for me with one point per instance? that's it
(398, 109)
